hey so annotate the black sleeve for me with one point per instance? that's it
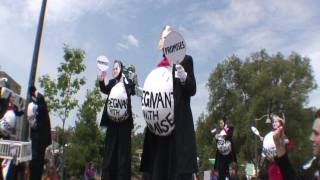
(130, 86)
(287, 171)
(190, 85)
(106, 88)
(229, 133)
(216, 160)
(17, 112)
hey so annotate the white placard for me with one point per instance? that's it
(157, 101)
(117, 103)
(174, 47)
(103, 63)
(269, 148)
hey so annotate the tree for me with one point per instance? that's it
(87, 141)
(136, 150)
(61, 92)
(243, 90)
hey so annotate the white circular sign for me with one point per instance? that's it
(117, 103)
(269, 148)
(32, 113)
(224, 146)
(103, 63)
(174, 47)
(157, 101)
(8, 123)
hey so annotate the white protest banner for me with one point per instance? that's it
(157, 101)
(174, 47)
(8, 123)
(32, 113)
(269, 148)
(117, 103)
(103, 63)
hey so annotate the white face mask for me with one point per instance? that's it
(165, 32)
(116, 70)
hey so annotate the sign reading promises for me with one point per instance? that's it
(117, 103)
(174, 47)
(269, 148)
(157, 101)
(103, 63)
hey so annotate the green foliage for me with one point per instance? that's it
(61, 92)
(243, 90)
(87, 140)
(63, 135)
(136, 150)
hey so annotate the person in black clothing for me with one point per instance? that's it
(225, 153)
(174, 157)
(7, 105)
(119, 122)
(310, 171)
(40, 134)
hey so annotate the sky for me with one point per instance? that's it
(129, 30)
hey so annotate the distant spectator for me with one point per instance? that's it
(233, 171)
(90, 171)
(312, 168)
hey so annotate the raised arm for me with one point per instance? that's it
(190, 85)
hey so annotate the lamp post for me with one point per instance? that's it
(268, 121)
(25, 128)
(34, 63)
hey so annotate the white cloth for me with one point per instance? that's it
(180, 73)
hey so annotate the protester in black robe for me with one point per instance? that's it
(40, 134)
(117, 154)
(7, 104)
(225, 154)
(174, 157)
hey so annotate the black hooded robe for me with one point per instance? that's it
(117, 154)
(40, 138)
(223, 161)
(174, 157)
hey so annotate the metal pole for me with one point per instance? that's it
(25, 126)
(34, 64)
(256, 150)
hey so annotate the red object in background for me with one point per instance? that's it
(164, 62)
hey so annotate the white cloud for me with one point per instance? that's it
(123, 46)
(247, 25)
(60, 12)
(199, 101)
(129, 41)
(132, 40)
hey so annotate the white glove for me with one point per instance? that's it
(213, 130)
(133, 77)
(139, 91)
(180, 73)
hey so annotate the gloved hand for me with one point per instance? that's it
(133, 77)
(213, 130)
(139, 91)
(180, 73)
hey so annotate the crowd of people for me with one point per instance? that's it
(169, 145)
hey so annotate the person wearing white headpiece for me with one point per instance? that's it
(173, 156)
(117, 117)
(225, 153)
(40, 132)
(310, 170)
(8, 114)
